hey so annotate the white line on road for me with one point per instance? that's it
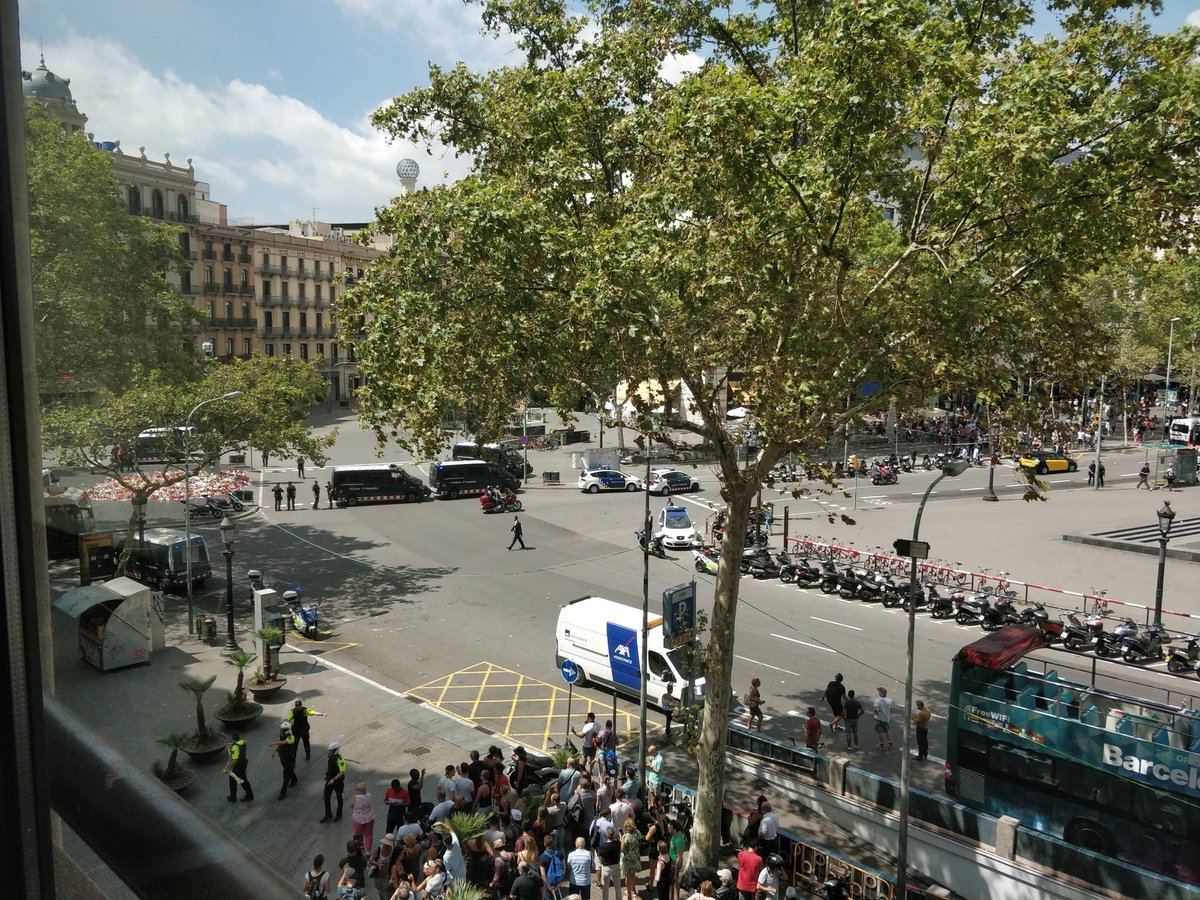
(766, 666)
(831, 622)
(784, 637)
(980, 488)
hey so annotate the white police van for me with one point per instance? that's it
(603, 638)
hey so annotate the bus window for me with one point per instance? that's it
(156, 445)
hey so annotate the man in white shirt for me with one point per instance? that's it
(600, 826)
(463, 785)
(446, 782)
(442, 808)
(580, 868)
(882, 708)
(456, 866)
(768, 831)
(619, 811)
(410, 826)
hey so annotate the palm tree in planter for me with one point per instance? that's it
(266, 681)
(173, 775)
(238, 712)
(204, 744)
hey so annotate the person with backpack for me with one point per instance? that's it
(504, 869)
(316, 879)
(553, 869)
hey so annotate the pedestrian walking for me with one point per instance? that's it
(753, 702)
(316, 879)
(291, 496)
(236, 769)
(835, 695)
(278, 492)
(920, 720)
(1169, 475)
(1092, 472)
(335, 782)
(285, 748)
(298, 716)
(769, 517)
(1100, 476)
(516, 533)
(362, 814)
(300, 467)
(587, 740)
(1143, 476)
(882, 709)
(852, 712)
(316, 495)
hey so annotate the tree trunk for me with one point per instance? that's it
(718, 674)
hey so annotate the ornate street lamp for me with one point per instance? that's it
(1166, 516)
(227, 529)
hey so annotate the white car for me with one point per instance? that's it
(596, 480)
(672, 481)
(676, 529)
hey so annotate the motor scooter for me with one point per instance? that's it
(1180, 661)
(222, 505)
(305, 619)
(656, 542)
(707, 559)
(1079, 634)
(942, 606)
(1149, 644)
(1111, 643)
(499, 502)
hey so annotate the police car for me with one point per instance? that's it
(593, 481)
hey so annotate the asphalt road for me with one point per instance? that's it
(415, 596)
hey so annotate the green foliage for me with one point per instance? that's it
(270, 636)
(620, 226)
(467, 825)
(105, 313)
(198, 687)
(240, 659)
(173, 742)
(560, 755)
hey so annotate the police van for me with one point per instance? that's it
(603, 638)
(464, 477)
(375, 483)
(161, 559)
(508, 457)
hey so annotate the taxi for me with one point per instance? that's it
(1044, 462)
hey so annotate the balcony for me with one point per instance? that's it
(189, 289)
(238, 322)
(176, 217)
(268, 270)
(246, 290)
(244, 258)
(211, 287)
(191, 254)
(271, 301)
(278, 332)
(303, 272)
(287, 271)
(210, 254)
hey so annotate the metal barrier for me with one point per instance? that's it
(755, 743)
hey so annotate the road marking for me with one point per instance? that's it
(831, 622)
(963, 490)
(763, 665)
(784, 637)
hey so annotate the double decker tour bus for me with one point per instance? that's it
(1074, 754)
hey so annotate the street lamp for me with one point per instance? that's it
(227, 529)
(951, 469)
(187, 497)
(1170, 347)
(1166, 516)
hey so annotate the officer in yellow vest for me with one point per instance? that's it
(335, 781)
(236, 769)
(285, 748)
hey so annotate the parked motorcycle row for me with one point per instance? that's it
(989, 607)
(217, 506)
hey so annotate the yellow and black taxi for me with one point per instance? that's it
(1044, 462)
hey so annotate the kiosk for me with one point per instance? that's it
(119, 625)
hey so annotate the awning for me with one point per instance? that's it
(78, 601)
(1152, 377)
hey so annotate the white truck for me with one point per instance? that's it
(603, 638)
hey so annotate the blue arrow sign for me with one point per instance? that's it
(570, 671)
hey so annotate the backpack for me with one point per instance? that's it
(609, 760)
(556, 871)
(315, 883)
(508, 874)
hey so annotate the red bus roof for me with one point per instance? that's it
(1002, 648)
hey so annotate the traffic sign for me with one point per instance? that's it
(570, 671)
(912, 549)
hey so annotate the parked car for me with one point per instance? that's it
(672, 481)
(593, 481)
(676, 529)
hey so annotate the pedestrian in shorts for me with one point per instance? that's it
(835, 693)
(882, 709)
(587, 738)
(852, 712)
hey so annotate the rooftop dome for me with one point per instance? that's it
(45, 85)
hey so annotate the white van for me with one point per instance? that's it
(601, 637)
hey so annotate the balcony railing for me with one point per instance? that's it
(244, 258)
(190, 254)
(211, 287)
(210, 254)
(287, 271)
(190, 289)
(268, 270)
(246, 290)
(239, 322)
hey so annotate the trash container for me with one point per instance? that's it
(550, 478)
(206, 629)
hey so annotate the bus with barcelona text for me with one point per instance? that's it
(1078, 754)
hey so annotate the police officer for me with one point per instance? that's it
(285, 749)
(278, 492)
(236, 769)
(298, 716)
(335, 781)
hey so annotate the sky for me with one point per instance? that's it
(272, 100)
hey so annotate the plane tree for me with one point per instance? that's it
(277, 396)
(833, 204)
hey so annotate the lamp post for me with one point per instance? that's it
(1170, 347)
(1166, 516)
(227, 529)
(187, 498)
(951, 469)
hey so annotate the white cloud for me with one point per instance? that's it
(268, 156)
(676, 66)
(1194, 18)
(451, 30)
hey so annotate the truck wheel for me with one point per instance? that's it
(1090, 836)
(453, 495)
